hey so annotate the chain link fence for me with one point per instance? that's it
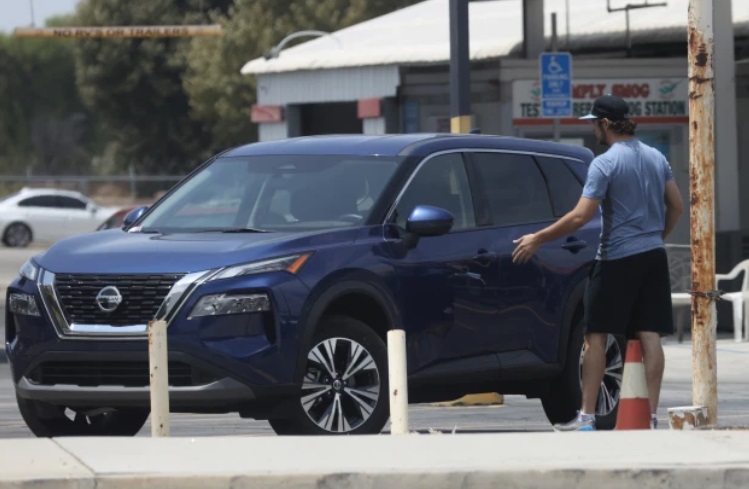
(107, 190)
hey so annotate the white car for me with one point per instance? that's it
(47, 215)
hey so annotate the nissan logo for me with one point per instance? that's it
(108, 299)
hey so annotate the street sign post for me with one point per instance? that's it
(556, 85)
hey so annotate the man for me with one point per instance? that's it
(629, 291)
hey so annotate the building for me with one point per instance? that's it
(391, 74)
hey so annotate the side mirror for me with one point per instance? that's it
(133, 216)
(426, 220)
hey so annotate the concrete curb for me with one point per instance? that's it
(622, 460)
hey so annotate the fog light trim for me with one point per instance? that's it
(24, 304)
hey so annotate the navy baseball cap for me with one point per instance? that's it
(608, 107)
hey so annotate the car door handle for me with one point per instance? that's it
(485, 257)
(574, 245)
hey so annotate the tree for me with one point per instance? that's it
(219, 95)
(135, 85)
(44, 126)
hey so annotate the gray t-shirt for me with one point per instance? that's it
(630, 181)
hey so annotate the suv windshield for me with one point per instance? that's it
(274, 193)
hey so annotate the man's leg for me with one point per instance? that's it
(652, 352)
(594, 367)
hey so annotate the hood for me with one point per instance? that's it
(116, 252)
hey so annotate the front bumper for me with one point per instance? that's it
(221, 363)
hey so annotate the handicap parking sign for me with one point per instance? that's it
(556, 84)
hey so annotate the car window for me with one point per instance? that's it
(564, 187)
(440, 182)
(39, 201)
(515, 189)
(70, 203)
(276, 193)
(579, 168)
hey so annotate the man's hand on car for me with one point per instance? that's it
(527, 246)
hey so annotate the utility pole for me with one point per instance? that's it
(554, 49)
(702, 211)
(31, 6)
(567, 25)
(460, 68)
(626, 10)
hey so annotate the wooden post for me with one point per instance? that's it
(702, 197)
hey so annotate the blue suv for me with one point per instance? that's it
(280, 267)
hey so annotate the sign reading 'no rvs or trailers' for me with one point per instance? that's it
(653, 100)
(120, 31)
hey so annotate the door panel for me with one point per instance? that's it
(38, 212)
(445, 283)
(446, 287)
(531, 296)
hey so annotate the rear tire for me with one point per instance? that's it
(349, 396)
(49, 421)
(564, 397)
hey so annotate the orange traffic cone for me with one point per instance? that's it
(634, 405)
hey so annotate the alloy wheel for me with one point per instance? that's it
(341, 385)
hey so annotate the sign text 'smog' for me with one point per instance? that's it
(646, 97)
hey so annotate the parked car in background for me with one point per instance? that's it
(47, 215)
(280, 267)
(115, 220)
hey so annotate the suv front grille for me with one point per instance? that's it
(142, 296)
(105, 373)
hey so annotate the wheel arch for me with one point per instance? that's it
(360, 295)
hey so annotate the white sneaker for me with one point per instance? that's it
(582, 422)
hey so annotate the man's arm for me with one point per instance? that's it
(528, 245)
(674, 207)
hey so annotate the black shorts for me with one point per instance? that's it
(630, 295)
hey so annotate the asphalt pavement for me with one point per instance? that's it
(516, 415)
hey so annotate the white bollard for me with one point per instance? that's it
(159, 372)
(398, 380)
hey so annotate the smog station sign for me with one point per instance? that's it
(662, 100)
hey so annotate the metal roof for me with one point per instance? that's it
(404, 144)
(420, 33)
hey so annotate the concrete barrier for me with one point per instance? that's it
(621, 460)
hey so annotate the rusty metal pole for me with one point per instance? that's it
(702, 209)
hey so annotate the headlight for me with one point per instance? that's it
(23, 304)
(291, 264)
(30, 270)
(221, 304)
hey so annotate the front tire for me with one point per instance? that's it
(17, 235)
(565, 394)
(49, 421)
(344, 389)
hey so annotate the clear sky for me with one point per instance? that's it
(17, 13)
